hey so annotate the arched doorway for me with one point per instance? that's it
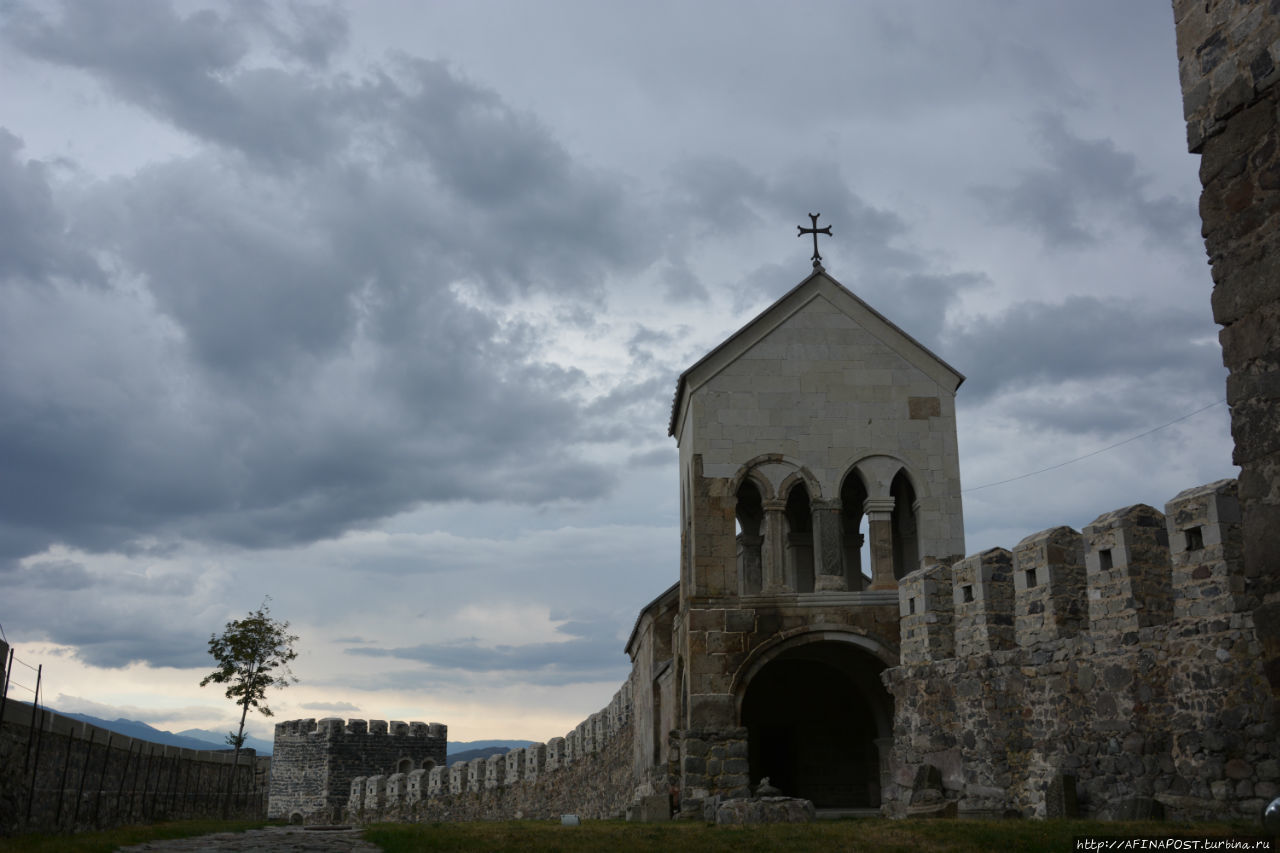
(813, 714)
(906, 551)
(799, 539)
(853, 494)
(750, 521)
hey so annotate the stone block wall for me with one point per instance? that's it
(588, 773)
(315, 762)
(1048, 586)
(1229, 66)
(58, 774)
(1154, 704)
(927, 613)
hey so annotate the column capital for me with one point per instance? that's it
(775, 505)
(884, 504)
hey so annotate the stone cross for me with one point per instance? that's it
(815, 231)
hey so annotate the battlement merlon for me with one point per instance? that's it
(982, 600)
(927, 609)
(1049, 586)
(1207, 553)
(337, 727)
(1128, 575)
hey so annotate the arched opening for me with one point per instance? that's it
(813, 715)
(857, 568)
(906, 547)
(750, 519)
(404, 765)
(428, 764)
(799, 539)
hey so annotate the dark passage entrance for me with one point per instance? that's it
(813, 715)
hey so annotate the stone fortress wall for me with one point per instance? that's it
(587, 772)
(1112, 672)
(314, 763)
(60, 774)
(1229, 68)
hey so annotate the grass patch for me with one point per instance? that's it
(107, 840)
(952, 836)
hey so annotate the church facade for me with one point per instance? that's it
(818, 466)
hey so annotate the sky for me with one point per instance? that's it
(377, 309)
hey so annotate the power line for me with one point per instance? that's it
(1096, 452)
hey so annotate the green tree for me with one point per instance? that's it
(253, 655)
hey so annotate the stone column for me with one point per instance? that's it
(773, 554)
(879, 512)
(749, 564)
(828, 561)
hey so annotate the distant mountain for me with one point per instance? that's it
(189, 739)
(262, 746)
(467, 750)
(206, 739)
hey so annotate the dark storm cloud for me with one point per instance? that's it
(592, 653)
(98, 638)
(186, 70)
(279, 346)
(33, 241)
(1081, 179)
(1132, 353)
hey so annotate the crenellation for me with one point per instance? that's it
(438, 780)
(555, 754)
(397, 788)
(1049, 586)
(459, 777)
(535, 776)
(416, 785)
(495, 771)
(1206, 553)
(927, 613)
(1128, 574)
(515, 766)
(1154, 702)
(375, 792)
(355, 801)
(315, 763)
(571, 750)
(535, 760)
(982, 603)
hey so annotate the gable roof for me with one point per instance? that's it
(788, 304)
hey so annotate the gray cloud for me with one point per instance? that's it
(1084, 181)
(1082, 338)
(290, 370)
(329, 706)
(591, 652)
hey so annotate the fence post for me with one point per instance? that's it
(124, 773)
(35, 770)
(84, 771)
(4, 696)
(35, 703)
(146, 780)
(102, 779)
(62, 780)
